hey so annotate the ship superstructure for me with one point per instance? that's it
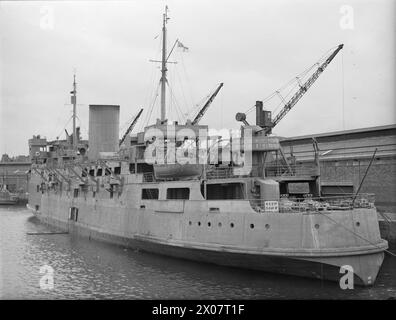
(173, 189)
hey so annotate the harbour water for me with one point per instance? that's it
(87, 269)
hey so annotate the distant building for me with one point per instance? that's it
(14, 173)
(344, 158)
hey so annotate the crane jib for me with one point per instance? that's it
(131, 126)
(303, 89)
(206, 106)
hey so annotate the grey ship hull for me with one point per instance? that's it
(319, 264)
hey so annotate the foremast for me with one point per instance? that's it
(163, 66)
(74, 103)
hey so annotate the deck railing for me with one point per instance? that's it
(270, 171)
(293, 170)
(223, 173)
(310, 204)
(148, 177)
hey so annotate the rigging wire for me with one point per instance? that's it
(151, 88)
(64, 127)
(177, 109)
(356, 234)
(193, 112)
(294, 79)
(198, 105)
(343, 90)
(170, 97)
(181, 89)
(125, 125)
(187, 78)
(150, 110)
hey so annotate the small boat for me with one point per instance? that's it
(6, 197)
(177, 171)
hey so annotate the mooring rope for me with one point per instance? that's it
(356, 234)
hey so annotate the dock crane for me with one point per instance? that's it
(206, 105)
(132, 125)
(263, 117)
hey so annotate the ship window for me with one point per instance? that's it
(38, 188)
(75, 194)
(117, 170)
(99, 172)
(73, 214)
(223, 191)
(141, 167)
(178, 193)
(150, 193)
(92, 172)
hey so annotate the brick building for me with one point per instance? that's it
(14, 173)
(345, 156)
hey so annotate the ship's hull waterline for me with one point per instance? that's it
(320, 263)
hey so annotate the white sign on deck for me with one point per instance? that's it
(272, 206)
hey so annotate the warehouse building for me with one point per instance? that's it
(345, 157)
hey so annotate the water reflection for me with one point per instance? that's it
(87, 269)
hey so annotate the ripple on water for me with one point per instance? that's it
(93, 270)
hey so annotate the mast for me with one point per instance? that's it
(163, 68)
(74, 102)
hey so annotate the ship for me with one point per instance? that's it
(173, 189)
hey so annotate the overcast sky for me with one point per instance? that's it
(254, 47)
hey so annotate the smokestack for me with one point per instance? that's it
(259, 113)
(103, 129)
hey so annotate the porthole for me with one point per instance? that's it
(316, 226)
(267, 226)
(358, 224)
(219, 224)
(251, 226)
(232, 225)
(190, 223)
(199, 223)
(209, 224)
